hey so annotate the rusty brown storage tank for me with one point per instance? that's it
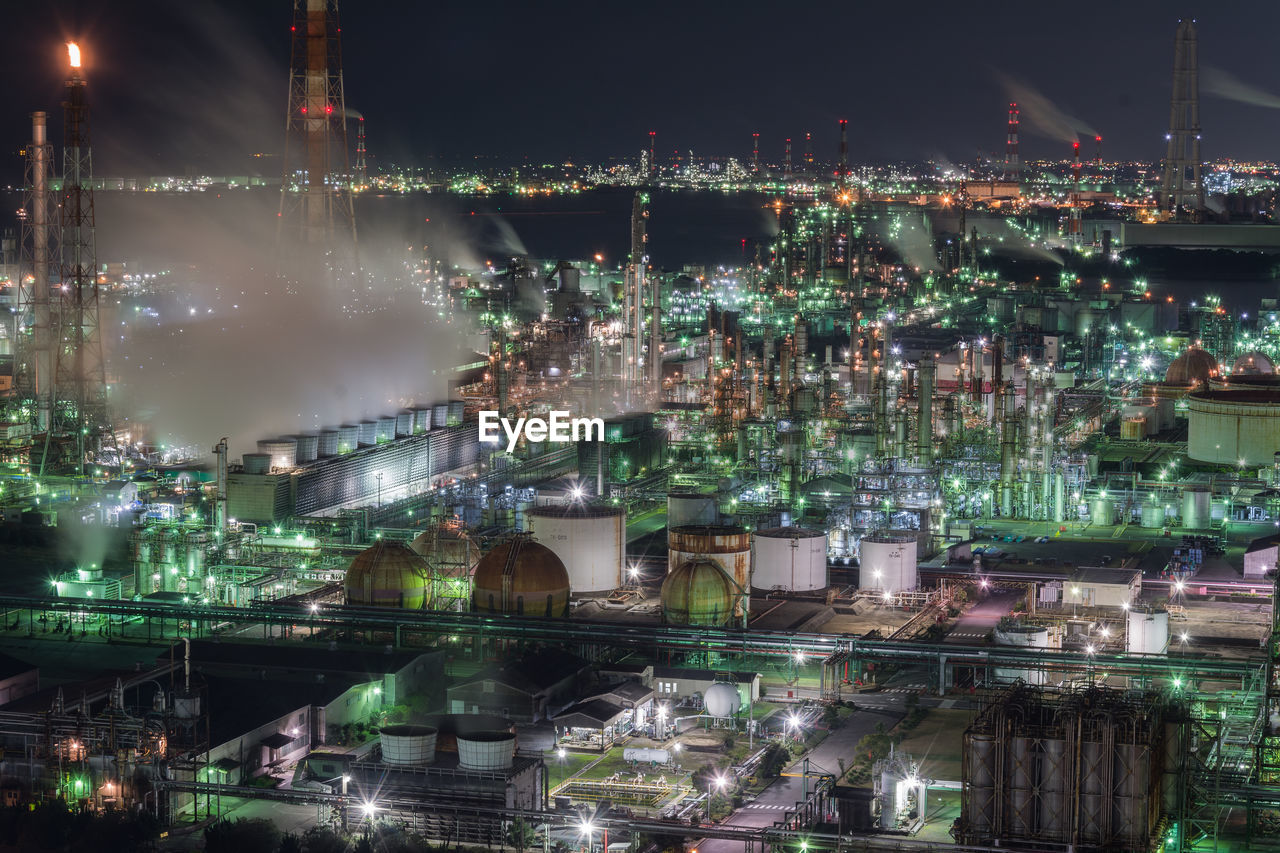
(728, 546)
(522, 577)
(388, 574)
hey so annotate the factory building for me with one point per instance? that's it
(353, 464)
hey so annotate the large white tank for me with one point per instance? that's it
(789, 558)
(283, 451)
(590, 541)
(686, 508)
(722, 700)
(888, 562)
(408, 746)
(1147, 632)
(1195, 508)
(1023, 636)
(728, 547)
(1153, 515)
(486, 750)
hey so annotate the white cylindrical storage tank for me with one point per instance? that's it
(727, 546)
(408, 746)
(591, 541)
(404, 423)
(1147, 632)
(1022, 636)
(789, 558)
(722, 700)
(888, 562)
(384, 428)
(1153, 515)
(368, 433)
(1102, 511)
(308, 446)
(457, 408)
(283, 451)
(257, 463)
(348, 437)
(686, 508)
(328, 443)
(439, 415)
(1195, 508)
(486, 750)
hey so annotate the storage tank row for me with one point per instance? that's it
(482, 743)
(1091, 769)
(289, 451)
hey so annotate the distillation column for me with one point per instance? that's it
(924, 425)
(1008, 448)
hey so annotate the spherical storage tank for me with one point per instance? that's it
(1234, 427)
(699, 592)
(789, 558)
(888, 562)
(408, 746)
(590, 541)
(1148, 632)
(523, 577)
(388, 574)
(283, 451)
(730, 547)
(722, 700)
(686, 508)
(486, 750)
(448, 550)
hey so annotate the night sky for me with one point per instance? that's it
(179, 86)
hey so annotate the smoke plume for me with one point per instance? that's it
(1040, 114)
(1222, 84)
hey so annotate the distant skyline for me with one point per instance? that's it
(202, 85)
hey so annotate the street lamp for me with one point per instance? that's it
(586, 829)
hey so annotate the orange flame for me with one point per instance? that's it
(73, 52)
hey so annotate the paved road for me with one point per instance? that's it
(787, 790)
(978, 621)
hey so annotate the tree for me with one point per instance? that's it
(291, 843)
(519, 835)
(252, 835)
(322, 839)
(774, 760)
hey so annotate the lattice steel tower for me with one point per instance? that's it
(80, 369)
(1182, 191)
(315, 198)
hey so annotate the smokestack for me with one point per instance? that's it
(1179, 196)
(653, 163)
(755, 152)
(1012, 160)
(362, 166)
(808, 150)
(1075, 227)
(220, 509)
(1098, 158)
(786, 168)
(39, 159)
(842, 170)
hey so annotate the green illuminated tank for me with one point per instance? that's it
(698, 592)
(388, 574)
